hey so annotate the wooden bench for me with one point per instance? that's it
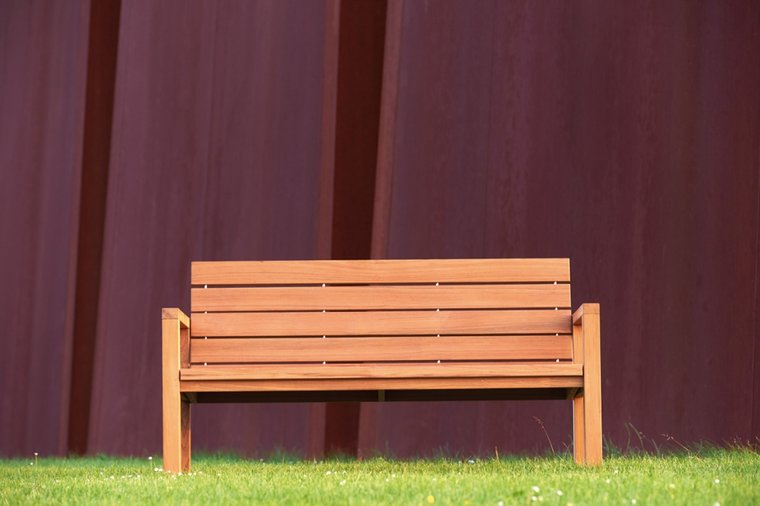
(381, 330)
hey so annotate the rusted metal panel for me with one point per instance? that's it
(103, 41)
(43, 53)
(588, 131)
(623, 136)
(216, 155)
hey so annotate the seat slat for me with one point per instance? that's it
(380, 297)
(508, 270)
(416, 384)
(381, 323)
(378, 371)
(375, 349)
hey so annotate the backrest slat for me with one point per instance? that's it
(399, 348)
(381, 297)
(380, 323)
(500, 270)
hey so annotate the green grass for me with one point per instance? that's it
(694, 478)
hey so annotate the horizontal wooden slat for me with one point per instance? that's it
(416, 384)
(374, 349)
(380, 297)
(381, 271)
(377, 371)
(381, 323)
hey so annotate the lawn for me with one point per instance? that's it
(706, 477)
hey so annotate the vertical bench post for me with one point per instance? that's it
(175, 352)
(587, 408)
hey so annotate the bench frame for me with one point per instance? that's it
(579, 380)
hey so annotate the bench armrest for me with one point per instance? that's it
(588, 308)
(173, 313)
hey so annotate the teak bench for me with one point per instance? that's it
(381, 330)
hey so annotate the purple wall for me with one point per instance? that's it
(625, 137)
(43, 50)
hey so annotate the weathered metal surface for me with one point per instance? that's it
(626, 137)
(43, 54)
(216, 155)
(590, 131)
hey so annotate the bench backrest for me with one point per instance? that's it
(360, 311)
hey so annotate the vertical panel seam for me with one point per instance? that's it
(386, 139)
(71, 269)
(99, 108)
(330, 62)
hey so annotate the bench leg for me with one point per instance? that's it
(587, 407)
(587, 431)
(579, 441)
(592, 424)
(176, 410)
(185, 436)
(176, 430)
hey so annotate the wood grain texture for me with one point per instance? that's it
(381, 297)
(577, 344)
(378, 384)
(369, 349)
(378, 371)
(185, 437)
(173, 313)
(592, 386)
(381, 271)
(579, 425)
(172, 404)
(579, 430)
(380, 323)
(587, 308)
(175, 353)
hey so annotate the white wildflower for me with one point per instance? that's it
(535, 488)
(342, 482)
